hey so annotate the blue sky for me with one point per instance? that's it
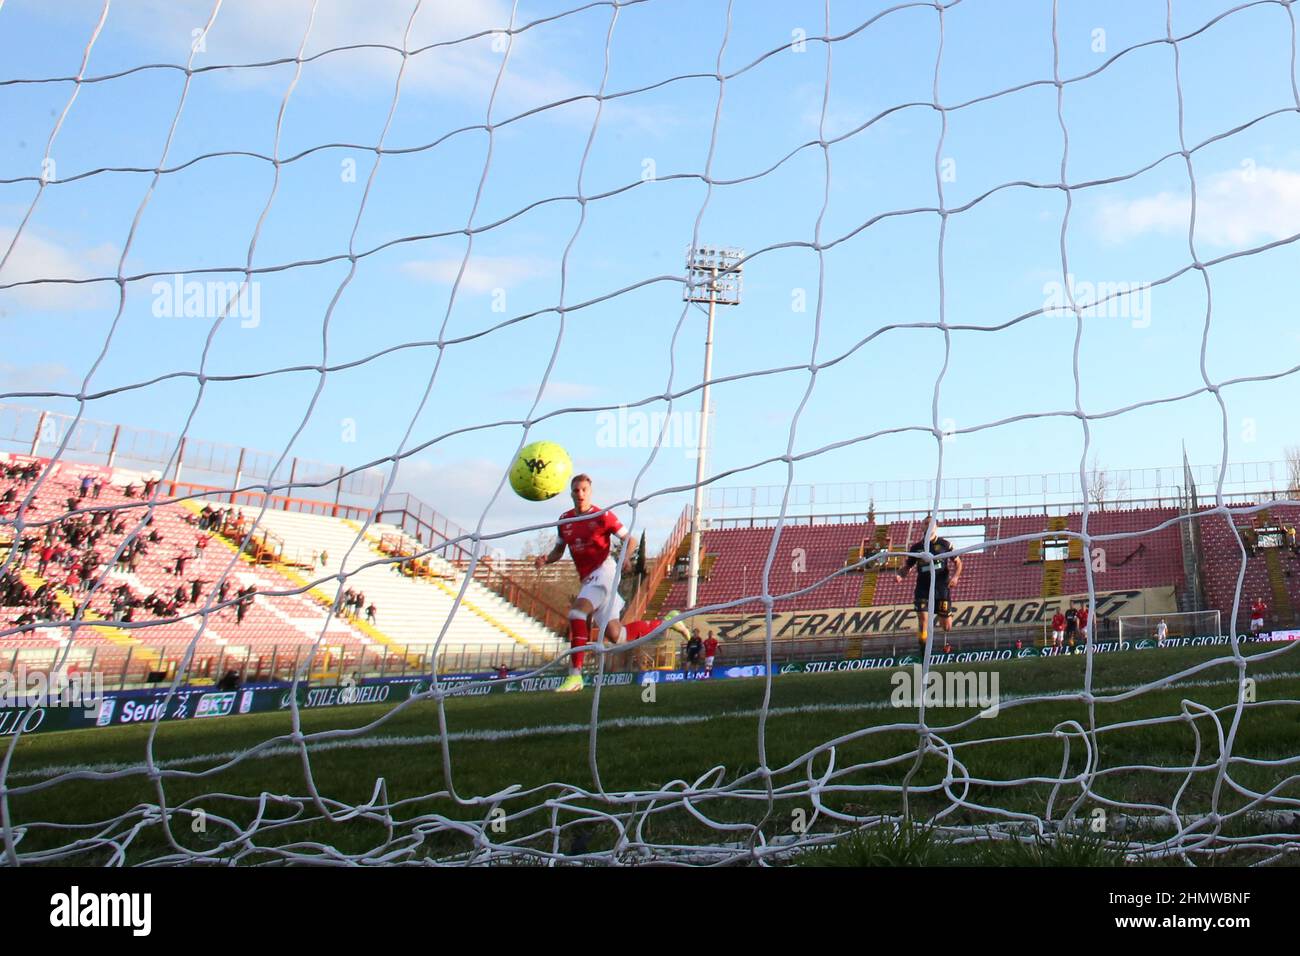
(1000, 255)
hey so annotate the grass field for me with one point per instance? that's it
(972, 798)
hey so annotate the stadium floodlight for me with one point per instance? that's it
(713, 277)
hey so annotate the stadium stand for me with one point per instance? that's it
(1148, 559)
(1271, 572)
(267, 620)
(414, 598)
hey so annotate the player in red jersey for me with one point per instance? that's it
(1083, 623)
(710, 651)
(588, 541)
(1058, 629)
(615, 630)
(1258, 611)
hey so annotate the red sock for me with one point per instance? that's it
(577, 638)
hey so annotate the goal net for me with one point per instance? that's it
(1188, 624)
(413, 237)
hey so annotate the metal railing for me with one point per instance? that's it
(141, 666)
(1056, 493)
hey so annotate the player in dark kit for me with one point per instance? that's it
(694, 650)
(944, 581)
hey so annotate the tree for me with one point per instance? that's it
(1102, 487)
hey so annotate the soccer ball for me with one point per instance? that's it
(541, 471)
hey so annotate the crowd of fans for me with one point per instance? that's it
(353, 603)
(69, 555)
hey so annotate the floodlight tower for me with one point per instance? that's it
(712, 277)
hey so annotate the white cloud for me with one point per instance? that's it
(247, 31)
(44, 377)
(36, 257)
(1234, 208)
(482, 274)
(461, 490)
(250, 31)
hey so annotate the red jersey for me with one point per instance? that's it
(588, 540)
(1058, 621)
(710, 646)
(1258, 609)
(1083, 617)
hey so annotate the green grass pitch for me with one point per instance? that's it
(701, 735)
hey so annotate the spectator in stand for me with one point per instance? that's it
(47, 553)
(86, 484)
(195, 587)
(179, 568)
(1258, 611)
(222, 590)
(178, 596)
(1251, 540)
(129, 490)
(98, 487)
(246, 601)
(370, 613)
(199, 544)
(324, 558)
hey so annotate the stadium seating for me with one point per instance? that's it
(285, 619)
(1147, 559)
(1222, 562)
(410, 610)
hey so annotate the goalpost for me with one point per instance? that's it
(1145, 627)
(489, 84)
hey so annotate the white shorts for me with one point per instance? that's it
(603, 615)
(1257, 624)
(708, 661)
(1058, 635)
(598, 588)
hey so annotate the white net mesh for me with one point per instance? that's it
(767, 807)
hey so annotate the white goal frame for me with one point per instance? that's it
(1135, 627)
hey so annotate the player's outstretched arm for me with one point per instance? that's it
(554, 555)
(625, 536)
